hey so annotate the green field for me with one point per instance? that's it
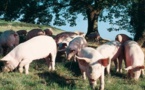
(67, 75)
(25, 26)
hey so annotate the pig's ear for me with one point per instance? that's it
(135, 68)
(138, 68)
(141, 67)
(128, 68)
(83, 59)
(104, 61)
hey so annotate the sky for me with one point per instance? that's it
(102, 27)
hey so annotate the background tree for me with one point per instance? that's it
(63, 11)
(137, 13)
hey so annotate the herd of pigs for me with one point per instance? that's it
(38, 44)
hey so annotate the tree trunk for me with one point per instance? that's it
(140, 29)
(92, 21)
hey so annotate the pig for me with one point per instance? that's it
(62, 36)
(22, 32)
(134, 58)
(92, 65)
(8, 40)
(80, 33)
(34, 32)
(33, 49)
(62, 45)
(62, 39)
(49, 31)
(75, 46)
(113, 50)
(22, 35)
(122, 38)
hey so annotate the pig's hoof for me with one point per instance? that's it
(21, 70)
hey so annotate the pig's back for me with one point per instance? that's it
(36, 48)
(109, 49)
(134, 53)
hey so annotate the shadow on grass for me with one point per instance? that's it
(60, 57)
(1, 65)
(73, 67)
(70, 65)
(53, 77)
(116, 74)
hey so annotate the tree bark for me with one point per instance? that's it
(92, 21)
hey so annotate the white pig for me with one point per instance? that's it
(134, 59)
(75, 46)
(113, 50)
(35, 48)
(63, 45)
(92, 64)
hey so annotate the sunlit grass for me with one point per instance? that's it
(25, 26)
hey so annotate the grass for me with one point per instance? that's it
(25, 26)
(66, 77)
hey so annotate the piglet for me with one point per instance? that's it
(33, 49)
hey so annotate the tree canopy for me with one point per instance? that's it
(137, 14)
(66, 11)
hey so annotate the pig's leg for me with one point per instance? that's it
(84, 74)
(27, 68)
(142, 72)
(23, 63)
(108, 67)
(102, 81)
(50, 60)
(120, 63)
(116, 65)
(53, 62)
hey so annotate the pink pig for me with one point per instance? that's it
(113, 50)
(33, 49)
(92, 65)
(62, 36)
(122, 38)
(63, 39)
(134, 59)
(75, 46)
